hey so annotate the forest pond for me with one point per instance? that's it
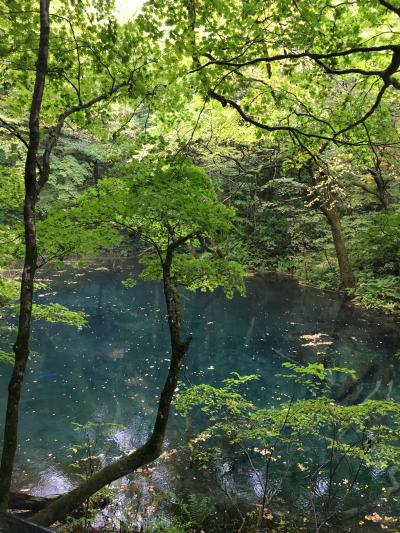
(111, 370)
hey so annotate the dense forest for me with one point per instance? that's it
(199, 265)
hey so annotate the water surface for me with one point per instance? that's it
(112, 369)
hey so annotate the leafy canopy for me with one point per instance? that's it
(169, 204)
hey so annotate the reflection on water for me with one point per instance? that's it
(112, 369)
(51, 482)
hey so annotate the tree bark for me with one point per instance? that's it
(21, 346)
(151, 450)
(20, 501)
(347, 278)
(381, 187)
(33, 186)
(328, 208)
(14, 524)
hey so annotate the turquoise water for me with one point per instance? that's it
(112, 369)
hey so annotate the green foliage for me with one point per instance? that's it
(164, 201)
(129, 283)
(215, 400)
(205, 273)
(11, 189)
(58, 313)
(378, 293)
(68, 231)
(301, 436)
(161, 204)
(249, 198)
(285, 235)
(6, 357)
(164, 526)
(195, 510)
(91, 437)
(263, 170)
(90, 510)
(313, 376)
(9, 290)
(377, 244)
(90, 52)
(11, 200)
(191, 513)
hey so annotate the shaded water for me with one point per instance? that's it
(112, 369)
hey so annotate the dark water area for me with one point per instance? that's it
(112, 369)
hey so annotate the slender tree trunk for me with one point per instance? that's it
(151, 450)
(384, 199)
(347, 278)
(381, 187)
(328, 208)
(21, 346)
(33, 185)
(382, 193)
(96, 173)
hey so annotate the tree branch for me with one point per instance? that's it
(227, 101)
(54, 132)
(11, 128)
(390, 6)
(300, 55)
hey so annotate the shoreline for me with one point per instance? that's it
(110, 261)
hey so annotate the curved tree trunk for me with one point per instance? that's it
(21, 346)
(347, 278)
(151, 450)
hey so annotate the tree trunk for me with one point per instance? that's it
(14, 524)
(152, 449)
(20, 501)
(381, 191)
(21, 346)
(381, 187)
(347, 279)
(33, 185)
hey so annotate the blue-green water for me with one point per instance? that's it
(112, 369)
